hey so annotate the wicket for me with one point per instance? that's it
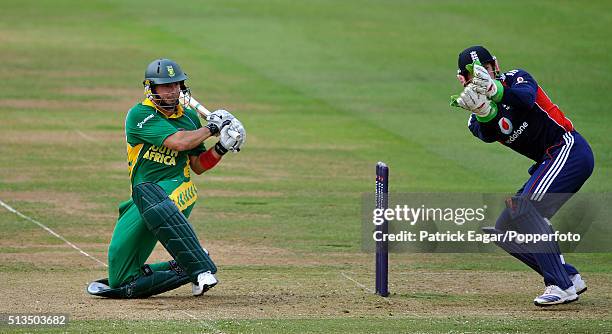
(382, 247)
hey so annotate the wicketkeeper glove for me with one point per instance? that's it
(484, 109)
(484, 84)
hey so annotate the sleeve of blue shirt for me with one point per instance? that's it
(520, 90)
(485, 131)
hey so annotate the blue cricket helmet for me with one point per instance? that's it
(471, 54)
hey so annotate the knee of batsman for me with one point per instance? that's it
(163, 218)
(154, 205)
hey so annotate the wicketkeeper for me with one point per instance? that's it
(164, 144)
(511, 108)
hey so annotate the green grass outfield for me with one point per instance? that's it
(325, 89)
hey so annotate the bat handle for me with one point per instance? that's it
(192, 102)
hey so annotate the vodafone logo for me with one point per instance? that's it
(505, 125)
(517, 133)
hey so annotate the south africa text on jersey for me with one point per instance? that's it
(162, 154)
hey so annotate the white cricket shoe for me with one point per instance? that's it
(579, 283)
(95, 287)
(553, 295)
(206, 280)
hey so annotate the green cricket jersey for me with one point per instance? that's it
(145, 131)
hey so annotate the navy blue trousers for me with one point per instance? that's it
(563, 170)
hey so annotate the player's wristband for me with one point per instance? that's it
(214, 129)
(208, 159)
(220, 149)
(500, 92)
(490, 116)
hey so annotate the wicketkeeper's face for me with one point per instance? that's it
(465, 80)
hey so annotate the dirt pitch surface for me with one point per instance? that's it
(266, 282)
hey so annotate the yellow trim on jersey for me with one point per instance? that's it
(132, 156)
(185, 195)
(187, 169)
(177, 114)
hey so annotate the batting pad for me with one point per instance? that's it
(171, 228)
(149, 284)
(527, 220)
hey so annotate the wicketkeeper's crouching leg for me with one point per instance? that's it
(563, 282)
(544, 256)
(171, 228)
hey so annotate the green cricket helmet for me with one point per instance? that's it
(163, 71)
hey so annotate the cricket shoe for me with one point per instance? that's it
(579, 283)
(206, 280)
(95, 287)
(553, 295)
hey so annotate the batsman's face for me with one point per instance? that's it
(168, 93)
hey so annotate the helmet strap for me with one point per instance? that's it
(152, 96)
(496, 69)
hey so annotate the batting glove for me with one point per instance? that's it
(237, 127)
(231, 138)
(217, 120)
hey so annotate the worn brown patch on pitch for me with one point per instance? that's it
(66, 202)
(226, 253)
(117, 105)
(239, 193)
(80, 73)
(260, 281)
(240, 179)
(238, 108)
(290, 293)
(65, 258)
(237, 216)
(118, 166)
(68, 137)
(260, 172)
(110, 92)
(56, 73)
(17, 178)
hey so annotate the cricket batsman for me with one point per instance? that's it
(164, 145)
(513, 109)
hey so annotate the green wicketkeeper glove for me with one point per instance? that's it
(484, 109)
(474, 97)
(492, 89)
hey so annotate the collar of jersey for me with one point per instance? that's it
(177, 114)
